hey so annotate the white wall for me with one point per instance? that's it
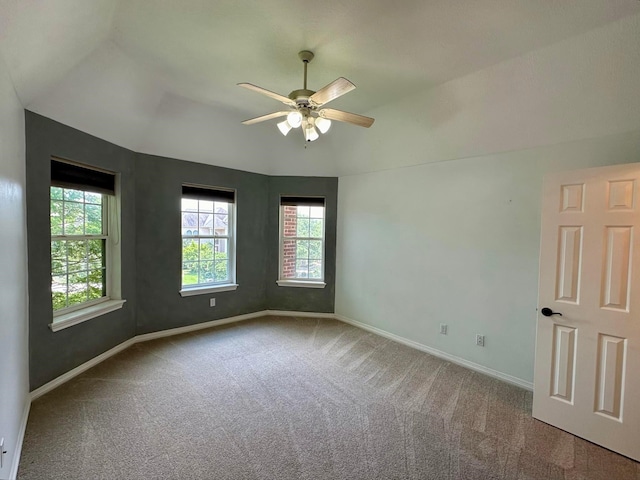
(456, 239)
(456, 242)
(14, 379)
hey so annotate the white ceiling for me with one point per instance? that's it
(159, 76)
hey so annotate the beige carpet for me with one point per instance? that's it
(293, 398)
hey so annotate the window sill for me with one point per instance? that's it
(300, 284)
(73, 318)
(227, 287)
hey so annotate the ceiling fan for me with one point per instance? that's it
(305, 106)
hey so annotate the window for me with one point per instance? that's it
(82, 256)
(208, 240)
(78, 247)
(302, 223)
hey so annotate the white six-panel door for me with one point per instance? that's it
(587, 365)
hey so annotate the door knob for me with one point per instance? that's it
(547, 312)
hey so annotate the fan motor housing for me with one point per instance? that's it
(301, 97)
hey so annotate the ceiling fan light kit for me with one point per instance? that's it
(305, 106)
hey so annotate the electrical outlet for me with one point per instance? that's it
(480, 340)
(212, 302)
(3, 452)
(443, 328)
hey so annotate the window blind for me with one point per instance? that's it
(302, 201)
(204, 193)
(69, 175)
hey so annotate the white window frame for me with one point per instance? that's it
(229, 284)
(300, 282)
(75, 314)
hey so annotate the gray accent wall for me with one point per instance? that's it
(159, 243)
(53, 353)
(151, 190)
(295, 298)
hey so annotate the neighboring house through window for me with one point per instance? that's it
(302, 226)
(208, 239)
(84, 278)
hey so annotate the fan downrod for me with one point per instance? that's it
(301, 97)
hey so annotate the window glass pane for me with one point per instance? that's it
(303, 211)
(189, 250)
(73, 218)
(59, 250)
(289, 270)
(189, 205)
(315, 228)
(57, 210)
(289, 259)
(94, 198)
(95, 292)
(221, 270)
(189, 222)
(56, 193)
(221, 224)
(78, 281)
(302, 229)
(93, 219)
(302, 268)
(315, 250)
(206, 249)
(222, 207)
(73, 195)
(78, 295)
(59, 300)
(290, 221)
(205, 224)
(205, 206)
(302, 249)
(96, 251)
(221, 246)
(189, 273)
(94, 267)
(206, 272)
(77, 288)
(96, 283)
(315, 269)
(58, 267)
(59, 291)
(317, 212)
(77, 255)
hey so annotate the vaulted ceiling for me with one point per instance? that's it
(159, 76)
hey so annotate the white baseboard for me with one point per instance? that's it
(13, 472)
(438, 353)
(198, 326)
(285, 313)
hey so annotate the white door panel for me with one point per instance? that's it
(587, 367)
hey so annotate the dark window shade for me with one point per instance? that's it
(68, 175)
(302, 201)
(212, 194)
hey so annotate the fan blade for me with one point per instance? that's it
(340, 116)
(268, 93)
(264, 118)
(335, 89)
